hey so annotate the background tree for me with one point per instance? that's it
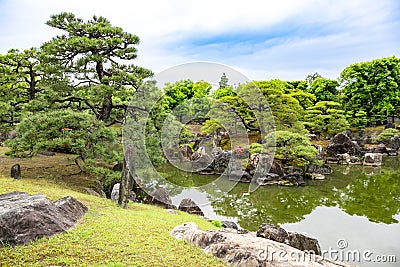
(292, 148)
(324, 89)
(223, 82)
(372, 87)
(92, 54)
(325, 117)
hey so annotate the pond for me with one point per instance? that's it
(357, 207)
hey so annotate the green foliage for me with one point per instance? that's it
(211, 126)
(324, 89)
(305, 99)
(293, 148)
(91, 53)
(357, 118)
(217, 223)
(63, 131)
(325, 117)
(255, 148)
(222, 92)
(387, 134)
(372, 87)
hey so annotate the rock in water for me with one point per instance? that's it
(25, 217)
(272, 232)
(245, 249)
(189, 206)
(373, 159)
(16, 171)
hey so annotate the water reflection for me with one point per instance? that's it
(357, 190)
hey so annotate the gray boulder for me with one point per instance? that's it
(372, 159)
(272, 232)
(394, 143)
(342, 144)
(115, 192)
(185, 153)
(25, 217)
(16, 171)
(189, 206)
(160, 197)
(240, 248)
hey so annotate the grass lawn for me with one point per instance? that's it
(107, 235)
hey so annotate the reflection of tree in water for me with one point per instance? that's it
(375, 195)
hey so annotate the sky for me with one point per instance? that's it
(285, 39)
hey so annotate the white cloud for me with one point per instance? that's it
(300, 36)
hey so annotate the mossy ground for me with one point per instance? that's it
(107, 235)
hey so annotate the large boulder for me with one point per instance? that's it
(159, 197)
(293, 239)
(25, 217)
(372, 159)
(189, 206)
(240, 248)
(342, 144)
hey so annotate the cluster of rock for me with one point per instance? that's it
(343, 150)
(24, 217)
(268, 247)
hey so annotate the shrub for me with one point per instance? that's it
(387, 134)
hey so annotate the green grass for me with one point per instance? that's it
(107, 235)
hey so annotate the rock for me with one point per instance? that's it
(317, 176)
(16, 171)
(272, 232)
(132, 196)
(381, 148)
(293, 239)
(269, 179)
(312, 137)
(159, 197)
(202, 160)
(246, 249)
(372, 159)
(189, 206)
(25, 217)
(319, 169)
(262, 164)
(115, 192)
(185, 152)
(304, 243)
(239, 176)
(229, 224)
(342, 144)
(226, 162)
(394, 143)
(47, 153)
(348, 159)
(92, 192)
(172, 211)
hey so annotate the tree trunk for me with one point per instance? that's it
(126, 180)
(105, 112)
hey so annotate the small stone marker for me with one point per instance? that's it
(16, 171)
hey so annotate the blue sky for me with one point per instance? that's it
(262, 39)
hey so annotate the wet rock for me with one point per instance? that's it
(262, 164)
(16, 171)
(372, 159)
(160, 197)
(189, 206)
(246, 249)
(342, 144)
(269, 179)
(348, 159)
(115, 192)
(25, 217)
(319, 169)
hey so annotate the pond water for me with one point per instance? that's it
(357, 206)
